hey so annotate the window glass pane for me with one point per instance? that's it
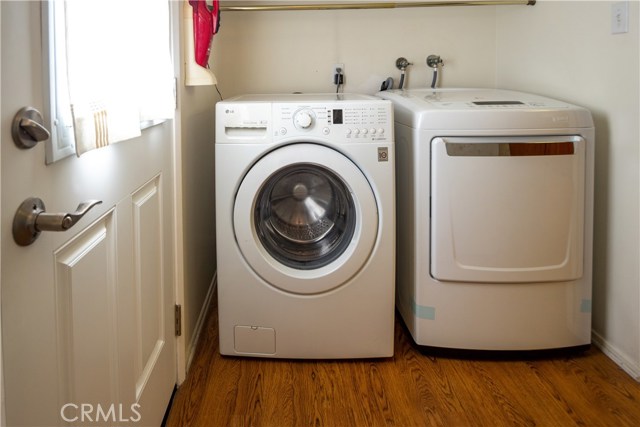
(111, 69)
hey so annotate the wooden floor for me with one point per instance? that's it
(410, 389)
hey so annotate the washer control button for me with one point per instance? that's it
(372, 131)
(283, 131)
(303, 119)
(364, 131)
(326, 131)
(348, 132)
(356, 131)
(380, 130)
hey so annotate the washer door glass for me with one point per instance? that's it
(305, 216)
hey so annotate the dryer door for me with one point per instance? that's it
(305, 218)
(507, 209)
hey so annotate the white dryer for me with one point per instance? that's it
(495, 202)
(305, 222)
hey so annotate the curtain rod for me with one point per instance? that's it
(372, 5)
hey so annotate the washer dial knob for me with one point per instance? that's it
(303, 119)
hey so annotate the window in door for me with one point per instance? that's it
(109, 71)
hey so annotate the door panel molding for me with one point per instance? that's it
(86, 277)
(149, 279)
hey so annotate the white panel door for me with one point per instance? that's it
(87, 314)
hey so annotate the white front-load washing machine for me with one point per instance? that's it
(495, 218)
(305, 223)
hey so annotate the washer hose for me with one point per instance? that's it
(433, 61)
(401, 64)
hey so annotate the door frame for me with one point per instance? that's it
(2, 408)
(178, 237)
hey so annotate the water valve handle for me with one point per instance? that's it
(434, 60)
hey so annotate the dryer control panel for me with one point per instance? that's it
(362, 121)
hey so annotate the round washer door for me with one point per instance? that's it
(305, 218)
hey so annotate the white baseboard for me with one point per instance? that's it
(201, 320)
(611, 351)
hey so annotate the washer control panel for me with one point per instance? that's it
(361, 121)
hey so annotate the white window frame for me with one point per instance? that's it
(62, 143)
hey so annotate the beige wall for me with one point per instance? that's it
(198, 201)
(269, 52)
(566, 50)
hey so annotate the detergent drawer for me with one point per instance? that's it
(507, 210)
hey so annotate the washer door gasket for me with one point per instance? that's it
(305, 218)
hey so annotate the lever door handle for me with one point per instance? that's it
(27, 128)
(63, 221)
(31, 219)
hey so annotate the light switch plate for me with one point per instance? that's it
(620, 17)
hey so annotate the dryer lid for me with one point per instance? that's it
(480, 109)
(507, 210)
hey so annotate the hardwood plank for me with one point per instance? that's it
(410, 389)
